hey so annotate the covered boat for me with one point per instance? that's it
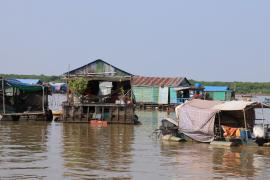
(206, 121)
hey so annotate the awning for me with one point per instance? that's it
(233, 105)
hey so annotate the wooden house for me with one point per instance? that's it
(108, 95)
(160, 90)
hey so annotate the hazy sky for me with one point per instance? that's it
(225, 40)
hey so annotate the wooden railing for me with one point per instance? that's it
(182, 100)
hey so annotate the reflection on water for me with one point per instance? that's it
(97, 152)
(39, 150)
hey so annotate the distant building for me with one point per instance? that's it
(222, 93)
(160, 90)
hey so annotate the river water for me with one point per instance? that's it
(40, 150)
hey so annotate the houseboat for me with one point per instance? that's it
(99, 91)
(21, 99)
(160, 91)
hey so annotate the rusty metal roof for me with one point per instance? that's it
(158, 81)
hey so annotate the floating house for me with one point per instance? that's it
(106, 97)
(160, 90)
(222, 93)
(22, 99)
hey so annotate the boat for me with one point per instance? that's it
(223, 121)
(266, 101)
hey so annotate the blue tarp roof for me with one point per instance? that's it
(23, 86)
(215, 88)
(30, 81)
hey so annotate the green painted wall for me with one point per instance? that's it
(146, 94)
(221, 96)
(173, 96)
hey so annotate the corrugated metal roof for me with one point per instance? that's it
(96, 69)
(216, 88)
(157, 81)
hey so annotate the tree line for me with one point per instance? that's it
(238, 87)
(41, 77)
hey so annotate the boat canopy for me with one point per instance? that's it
(197, 117)
(23, 86)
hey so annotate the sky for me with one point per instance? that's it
(224, 40)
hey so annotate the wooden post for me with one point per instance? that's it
(131, 91)
(117, 113)
(64, 107)
(3, 91)
(219, 123)
(43, 100)
(263, 121)
(81, 112)
(102, 113)
(125, 114)
(67, 79)
(245, 120)
(73, 112)
(110, 114)
(87, 115)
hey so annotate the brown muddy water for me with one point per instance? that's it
(39, 150)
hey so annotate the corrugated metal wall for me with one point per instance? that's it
(163, 95)
(146, 94)
(173, 96)
(155, 91)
